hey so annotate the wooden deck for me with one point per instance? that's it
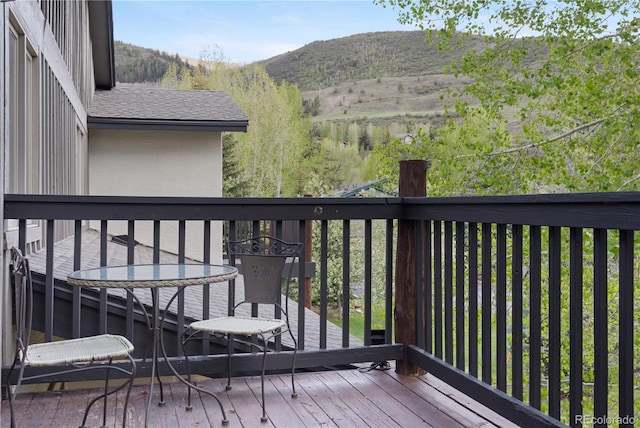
(345, 398)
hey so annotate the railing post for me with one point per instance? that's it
(412, 182)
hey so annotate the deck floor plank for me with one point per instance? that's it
(360, 402)
(425, 402)
(467, 402)
(342, 415)
(278, 403)
(388, 395)
(303, 406)
(246, 403)
(40, 411)
(65, 413)
(422, 387)
(197, 416)
(346, 398)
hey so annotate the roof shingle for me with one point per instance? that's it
(152, 108)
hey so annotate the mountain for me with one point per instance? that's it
(135, 64)
(365, 56)
(377, 76)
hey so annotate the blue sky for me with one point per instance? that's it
(244, 31)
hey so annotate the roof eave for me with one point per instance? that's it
(101, 29)
(167, 125)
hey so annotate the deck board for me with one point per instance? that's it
(344, 398)
(385, 393)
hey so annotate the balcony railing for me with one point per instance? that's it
(525, 303)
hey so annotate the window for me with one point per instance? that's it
(22, 149)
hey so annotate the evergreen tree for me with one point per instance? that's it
(234, 184)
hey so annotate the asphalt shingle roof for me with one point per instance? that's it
(149, 107)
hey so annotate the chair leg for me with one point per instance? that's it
(294, 394)
(107, 393)
(13, 421)
(188, 365)
(11, 395)
(229, 345)
(131, 379)
(192, 385)
(264, 417)
(106, 390)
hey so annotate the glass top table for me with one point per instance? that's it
(152, 275)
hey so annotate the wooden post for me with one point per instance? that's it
(412, 182)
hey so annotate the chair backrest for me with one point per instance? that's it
(23, 298)
(263, 259)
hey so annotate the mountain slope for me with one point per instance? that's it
(324, 64)
(135, 64)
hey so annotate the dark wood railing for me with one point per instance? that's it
(533, 296)
(525, 303)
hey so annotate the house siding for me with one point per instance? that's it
(158, 163)
(56, 36)
(46, 85)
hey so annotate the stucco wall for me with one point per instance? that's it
(159, 163)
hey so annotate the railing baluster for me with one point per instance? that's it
(428, 286)
(418, 267)
(473, 299)
(22, 235)
(49, 281)
(182, 238)
(206, 289)
(301, 283)
(437, 287)
(448, 291)
(103, 262)
(346, 291)
(501, 307)
(601, 326)
(535, 318)
(277, 314)
(131, 230)
(555, 257)
(77, 291)
(388, 316)
(625, 376)
(367, 281)
(486, 304)
(576, 311)
(516, 317)
(231, 288)
(460, 295)
(324, 255)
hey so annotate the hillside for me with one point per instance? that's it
(135, 64)
(324, 64)
(381, 76)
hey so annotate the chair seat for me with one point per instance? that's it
(238, 325)
(84, 349)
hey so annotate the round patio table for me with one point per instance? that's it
(154, 276)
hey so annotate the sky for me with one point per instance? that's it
(244, 31)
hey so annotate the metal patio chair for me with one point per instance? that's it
(262, 261)
(86, 353)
